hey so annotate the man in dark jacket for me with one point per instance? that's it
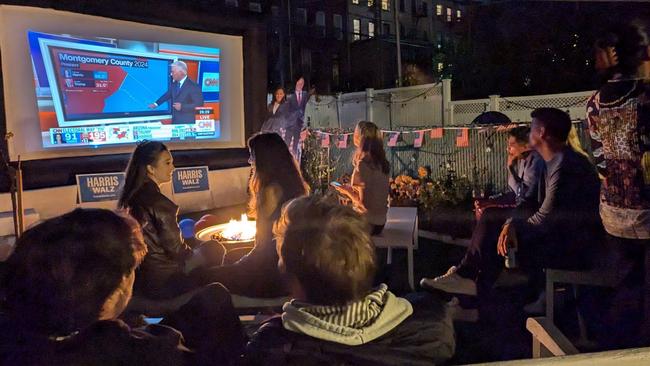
(566, 229)
(184, 95)
(525, 168)
(335, 316)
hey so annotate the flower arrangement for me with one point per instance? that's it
(404, 191)
(426, 193)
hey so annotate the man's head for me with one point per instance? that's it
(179, 70)
(300, 84)
(326, 250)
(518, 141)
(72, 270)
(550, 126)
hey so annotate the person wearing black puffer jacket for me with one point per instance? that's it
(336, 317)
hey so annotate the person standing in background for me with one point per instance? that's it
(277, 113)
(297, 105)
(618, 115)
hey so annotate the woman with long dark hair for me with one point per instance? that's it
(161, 274)
(370, 186)
(275, 180)
(277, 114)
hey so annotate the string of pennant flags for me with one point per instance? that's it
(340, 139)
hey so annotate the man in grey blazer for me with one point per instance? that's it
(184, 95)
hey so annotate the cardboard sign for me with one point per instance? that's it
(192, 179)
(99, 187)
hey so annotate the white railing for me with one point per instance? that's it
(429, 105)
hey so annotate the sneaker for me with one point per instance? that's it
(451, 283)
(537, 307)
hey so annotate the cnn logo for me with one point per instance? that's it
(211, 82)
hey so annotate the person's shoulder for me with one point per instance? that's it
(112, 341)
(149, 197)
(269, 336)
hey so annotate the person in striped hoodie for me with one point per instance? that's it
(336, 317)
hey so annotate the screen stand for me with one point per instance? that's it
(15, 176)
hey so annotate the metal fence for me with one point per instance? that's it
(483, 161)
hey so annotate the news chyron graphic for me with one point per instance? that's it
(103, 91)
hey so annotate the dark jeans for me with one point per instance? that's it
(210, 327)
(535, 252)
(255, 275)
(628, 316)
(153, 286)
(481, 257)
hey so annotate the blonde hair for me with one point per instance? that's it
(574, 142)
(327, 248)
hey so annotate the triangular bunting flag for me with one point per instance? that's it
(392, 139)
(325, 140)
(419, 139)
(303, 135)
(436, 133)
(342, 143)
(462, 137)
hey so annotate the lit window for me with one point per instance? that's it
(438, 10)
(371, 29)
(385, 5)
(355, 2)
(440, 66)
(449, 14)
(371, 3)
(459, 14)
(356, 28)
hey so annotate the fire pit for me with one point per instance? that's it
(233, 232)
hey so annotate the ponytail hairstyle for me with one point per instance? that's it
(144, 154)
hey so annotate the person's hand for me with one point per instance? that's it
(177, 106)
(507, 239)
(345, 190)
(153, 106)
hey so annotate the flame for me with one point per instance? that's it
(243, 230)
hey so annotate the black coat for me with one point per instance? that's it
(107, 342)
(190, 97)
(167, 251)
(424, 338)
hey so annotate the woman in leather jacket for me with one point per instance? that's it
(161, 274)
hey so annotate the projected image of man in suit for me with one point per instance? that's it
(184, 95)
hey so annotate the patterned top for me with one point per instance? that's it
(619, 124)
